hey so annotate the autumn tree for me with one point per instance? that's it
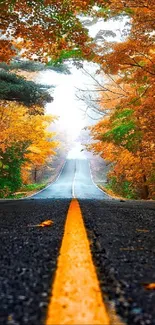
(24, 143)
(121, 140)
(16, 88)
(41, 30)
(126, 136)
(45, 29)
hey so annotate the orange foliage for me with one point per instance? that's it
(43, 28)
(126, 136)
(28, 133)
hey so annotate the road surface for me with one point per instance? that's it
(75, 180)
(121, 236)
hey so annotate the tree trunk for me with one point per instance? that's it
(145, 189)
(35, 175)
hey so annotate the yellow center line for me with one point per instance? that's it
(76, 297)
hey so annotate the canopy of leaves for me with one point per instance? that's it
(43, 28)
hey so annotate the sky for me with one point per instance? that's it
(66, 106)
(70, 110)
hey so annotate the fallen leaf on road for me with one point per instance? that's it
(46, 223)
(149, 286)
(127, 248)
(131, 248)
(142, 230)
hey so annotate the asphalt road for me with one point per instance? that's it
(122, 237)
(122, 242)
(28, 257)
(74, 181)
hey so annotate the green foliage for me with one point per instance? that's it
(129, 11)
(142, 63)
(66, 55)
(136, 101)
(18, 89)
(123, 114)
(145, 78)
(10, 171)
(124, 131)
(58, 67)
(25, 189)
(123, 188)
(141, 89)
(26, 65)
(104, 12)
(4, 66)
(32, 187)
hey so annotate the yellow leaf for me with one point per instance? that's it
(46, 223)
(149, 286)
(142, 230)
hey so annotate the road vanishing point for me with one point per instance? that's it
(71, 254)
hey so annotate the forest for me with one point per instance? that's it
(49, 32)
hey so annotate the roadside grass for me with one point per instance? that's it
(26, 190)
(110, 192)
(29, 189)
(32, 187)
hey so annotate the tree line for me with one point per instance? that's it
(126, 136)
(49, 31)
